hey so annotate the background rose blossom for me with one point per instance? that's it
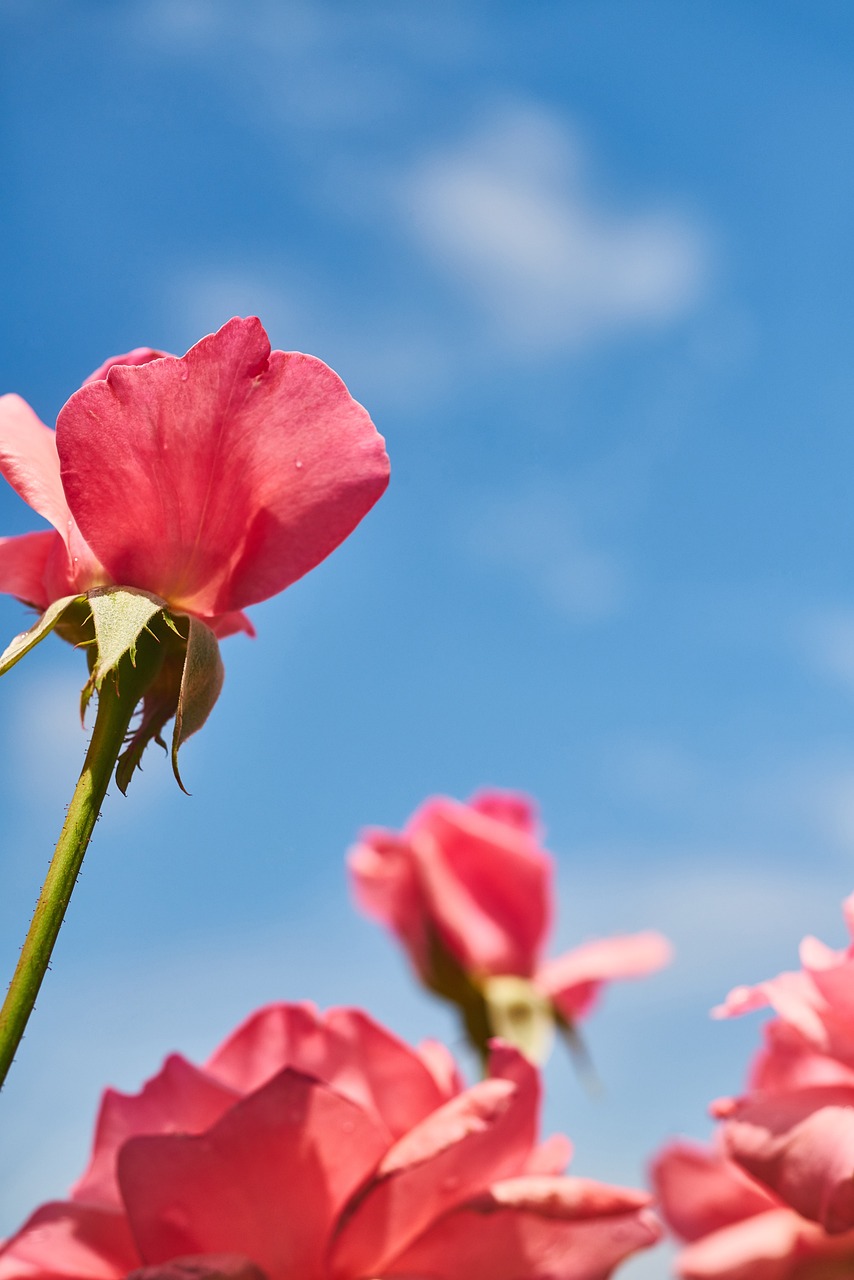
(735, 1228)
(468, 890)
(794, 1128)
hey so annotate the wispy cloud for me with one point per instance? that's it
(828, 641)
(538, 534)
(511, 213)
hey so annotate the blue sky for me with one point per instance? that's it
(590, 269)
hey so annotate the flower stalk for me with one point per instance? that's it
(118, 698)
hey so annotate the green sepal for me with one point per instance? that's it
(521, 1014)
(27, 640)
(201, 684)
(186, 687)
(579, 1053)
(120, 615)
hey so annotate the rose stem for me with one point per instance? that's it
(117, 699)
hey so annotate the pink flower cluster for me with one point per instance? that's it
(320, 1147)
(308, 1147)
(774, 1198)
(467, 889)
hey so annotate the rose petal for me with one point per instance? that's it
(265, 1182)
(345, 1048)
(180, 1098)
(70, 1242)
(539, 1228)
(776, 1245)
(511, 807)
(801, 1145)
(551, 1156)
(29, 461)
(574, 979)
(700, 1190)
(481, 1136)
(486, 885)
(139, 355)
(23, 566)
(233, 470)
(386, 886)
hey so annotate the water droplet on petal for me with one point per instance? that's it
(299, 466)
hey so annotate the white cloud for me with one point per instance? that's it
(382, 360)
(828, 639)
(206, 297)
(537, 534)
(511, 214)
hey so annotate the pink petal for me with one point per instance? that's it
(768, 1246)
(386, 886)
(70, 1242)
(439, 1061)
(481, 1136)
(700, 1190)
(229, 624)
(139, 355)
(181, 1098)
(232, 471)
(512, 807)
(211, 1266)
(29, 461)
(801, 1145)
(785, 1062)
(23, 566)
(539, 1229)
(487, 886)
(792, 995)
(573, 979)
(551, 1156)
(345, 1049)
(265, 1182)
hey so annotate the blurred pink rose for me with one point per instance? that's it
(317, 1147)
(467, 889)
(794, 1128)
(735, 1228)
(212, 481)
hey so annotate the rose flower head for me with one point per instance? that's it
(320, 1147)
(793, 1129)
(734, 1228)
(181, 491)
(467, 889)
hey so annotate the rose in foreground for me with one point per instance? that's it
(467, 889)
(735, 1228)
(185, 490)
(794, 1127)
(322, 1148)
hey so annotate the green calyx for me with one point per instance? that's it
(168, 665)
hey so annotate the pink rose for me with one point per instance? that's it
(212, 481)
(794, 1128)
(180, 491)
(467, 889)
(735, 1228)
(317, 1147)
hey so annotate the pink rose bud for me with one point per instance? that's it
(467, 890)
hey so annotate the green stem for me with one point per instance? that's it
(117, 700)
